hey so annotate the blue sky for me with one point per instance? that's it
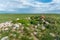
(29, 6)
(45, 1)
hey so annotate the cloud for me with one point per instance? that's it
(31, 6)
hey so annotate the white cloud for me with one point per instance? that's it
(12, 5)
(42, 7)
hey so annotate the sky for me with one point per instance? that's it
(29, 6)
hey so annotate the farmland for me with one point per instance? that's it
(29, 27)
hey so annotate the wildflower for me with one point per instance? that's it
(5, 38)
(20, 23)
(6, 24)
(43, 28)
(17, 19)
(6, 29)
(14, 35)
(31, 33)
(14, 28)
(52, 34)
(43, 20)
(36, 26)
(9, 23)
(2, 25)
(29, 18)
(16, 25)
(47, 22)
(35, 33)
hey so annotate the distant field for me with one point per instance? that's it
(30, 27)
(8, 17)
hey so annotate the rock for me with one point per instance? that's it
(52, 34)
(5, 38)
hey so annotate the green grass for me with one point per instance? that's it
(8, 17)
(41, 34)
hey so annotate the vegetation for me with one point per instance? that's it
(30, 27)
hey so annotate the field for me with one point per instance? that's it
(29, 27)
(8, 17)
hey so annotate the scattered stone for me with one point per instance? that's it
(5, 38)
(52, 34)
